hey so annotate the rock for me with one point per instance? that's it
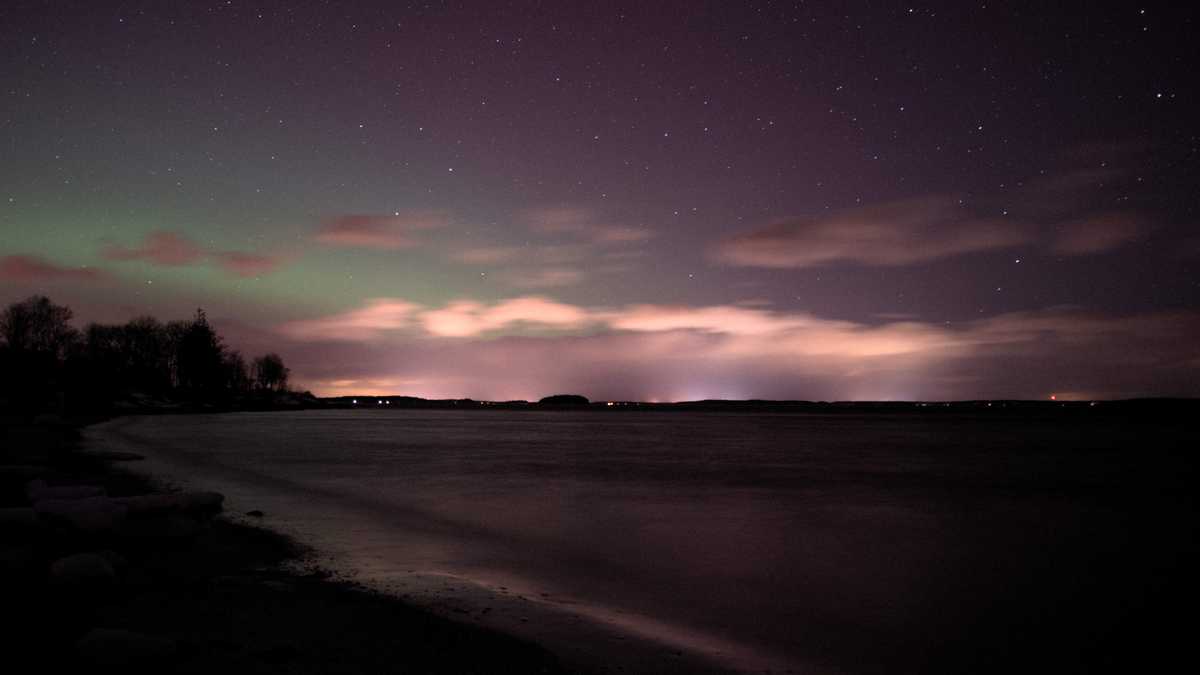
(83, 571)
(37, 491)
(255, 513)
(203, 502)
(123, 648)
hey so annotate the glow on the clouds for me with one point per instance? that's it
(527, 346)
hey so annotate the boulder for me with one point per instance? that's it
(83, 571)
(203, 502)
(123, 648)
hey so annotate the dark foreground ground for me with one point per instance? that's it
(213, 602)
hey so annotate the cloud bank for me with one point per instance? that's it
(897, 233)
(529, 346)
(1067, 213)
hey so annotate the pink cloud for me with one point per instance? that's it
(1097, 234)
(371, 322)
(175, 250)
(731, 319)
(891, 234)
(749, 331)
(32, 268)
(459, 318)
(247, 264)
(551, 277)
(486, 255)
(160, 248)
(583, 224)
(379, 231)
(730, 351)
(467, 318)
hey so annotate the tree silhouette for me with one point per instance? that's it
(148, 347)
(38, 326)
(199, 358)
(45, 363)
(36, 341)
(269, 373)
(235, 377)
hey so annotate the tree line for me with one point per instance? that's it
(46, 363)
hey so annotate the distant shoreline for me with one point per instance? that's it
(1155, 408)
(1137, 407)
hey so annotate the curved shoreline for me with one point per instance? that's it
(215, 599)
(585, 638)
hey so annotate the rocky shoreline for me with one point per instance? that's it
(103, 569)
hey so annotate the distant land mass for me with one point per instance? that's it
(1155, 406)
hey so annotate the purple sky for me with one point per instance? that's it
(626, 200)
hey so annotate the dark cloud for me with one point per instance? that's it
(891, 234)
(1075, 211)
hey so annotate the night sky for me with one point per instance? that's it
(649, 200)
